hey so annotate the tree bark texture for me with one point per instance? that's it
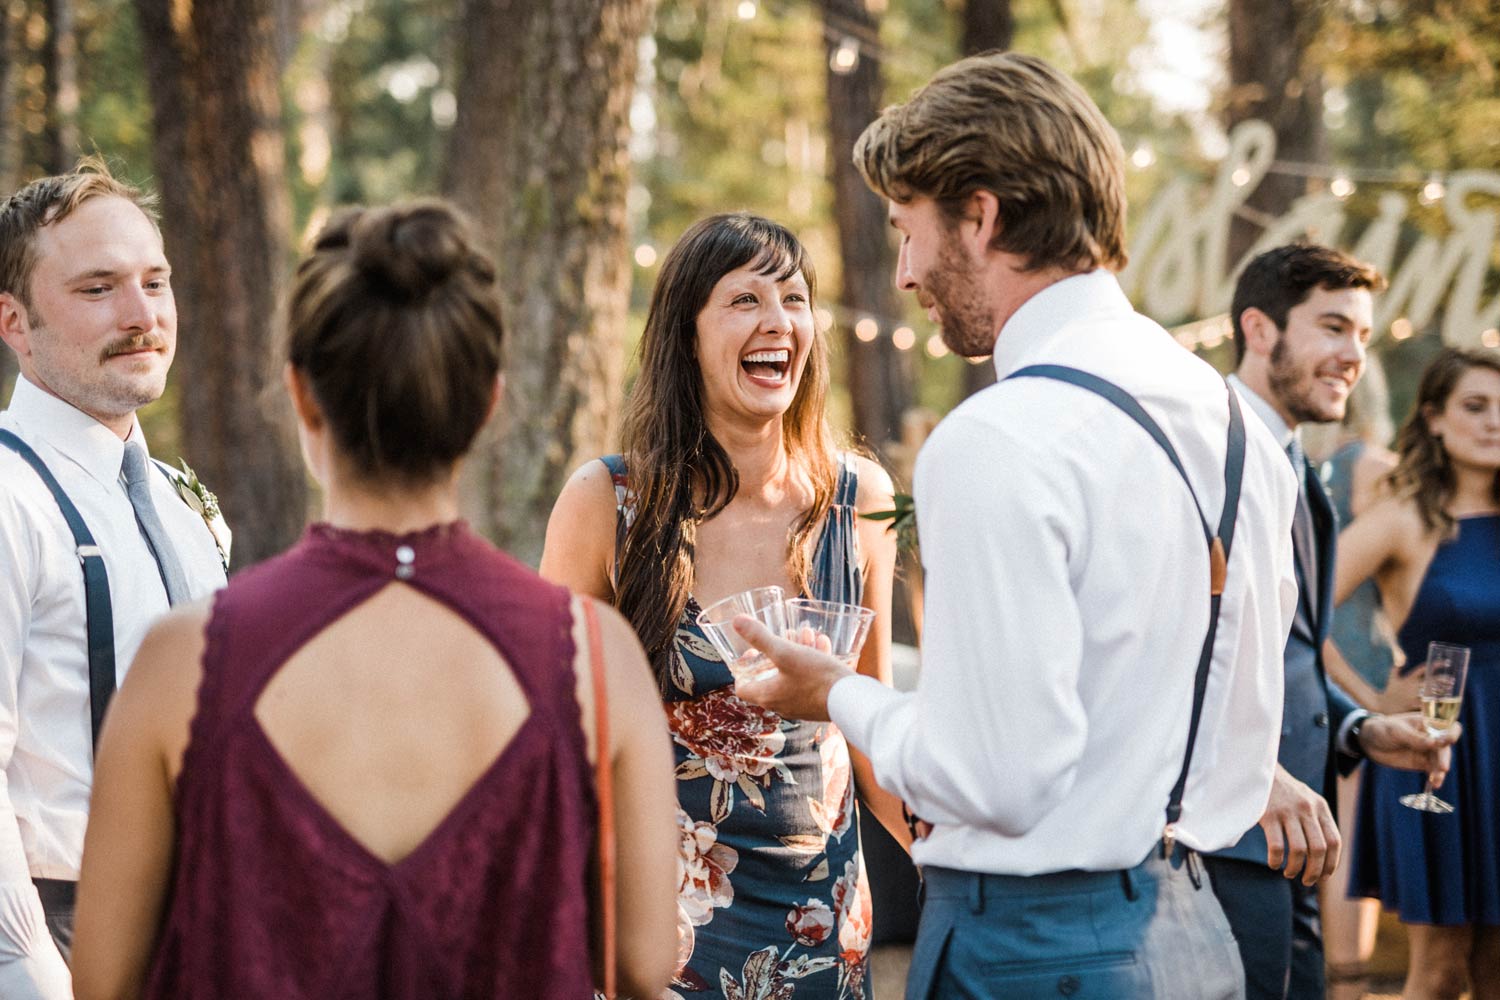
(539, 158)
(10, 156)
(1272, 78)
(989, 25)
(10, 127)
(879, 376)
(60, 62)
(212, 69)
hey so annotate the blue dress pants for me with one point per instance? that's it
(1276, 923)
(1152, 932)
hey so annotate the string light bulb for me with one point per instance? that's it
(747, 10)
(867, 329)
(845, 57)
(935, 346)
(1143, 156)
(1240, 177)
(1490, 338)
(904, 338)
(1432, 192)
(1401, 328)
(1341, 186)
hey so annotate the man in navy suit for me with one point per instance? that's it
(1302, 317)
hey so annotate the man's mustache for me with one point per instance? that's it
(130, 345)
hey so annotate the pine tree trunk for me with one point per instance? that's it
(988, 25)
(1271, 78)
(879, 376)
(60, 63)
(10, 156)
(219, 156)
(539, 157)
(10, 127)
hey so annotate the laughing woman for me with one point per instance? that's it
(730, 480)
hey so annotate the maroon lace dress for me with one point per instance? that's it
(272, 898)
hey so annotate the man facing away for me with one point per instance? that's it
(1070, 569)
(96, 540)
(1302, 317)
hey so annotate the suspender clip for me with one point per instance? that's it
(87, 552)
(1168, 840)
(1218, 567)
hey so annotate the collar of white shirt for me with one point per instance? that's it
(1267, 413)
(70, 432)
(1044, 316)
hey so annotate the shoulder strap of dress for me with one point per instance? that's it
(846, 493)
(604, 788)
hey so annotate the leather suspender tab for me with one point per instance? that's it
(1218, 567)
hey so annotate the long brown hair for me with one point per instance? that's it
(679, 476)
(1423, 473)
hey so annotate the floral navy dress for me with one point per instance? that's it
(773, 902)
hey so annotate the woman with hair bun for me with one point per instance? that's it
(1432, 546)
(730, 480)
(364, 770)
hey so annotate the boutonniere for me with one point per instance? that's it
(903, 518)
(206, 505)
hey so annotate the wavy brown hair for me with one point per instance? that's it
(679, 475)
(1423, 473)
(1016, 126)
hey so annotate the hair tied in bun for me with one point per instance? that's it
(410, 250)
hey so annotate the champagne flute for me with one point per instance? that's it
(1442, 694)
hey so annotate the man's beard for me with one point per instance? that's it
(1293, 386)
(968, 321)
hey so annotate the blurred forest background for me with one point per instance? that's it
(585, 135)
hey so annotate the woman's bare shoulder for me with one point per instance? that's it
(875, 485)
(1395, 518)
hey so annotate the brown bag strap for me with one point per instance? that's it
(604, 787)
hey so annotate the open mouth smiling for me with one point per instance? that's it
(768, 367)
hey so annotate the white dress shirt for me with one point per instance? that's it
(46, 759)
(1067, 598)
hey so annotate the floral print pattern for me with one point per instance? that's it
(732, 742)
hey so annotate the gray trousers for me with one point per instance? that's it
(58, 901)
(1152, 932)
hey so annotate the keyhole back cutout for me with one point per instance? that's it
(390, 715)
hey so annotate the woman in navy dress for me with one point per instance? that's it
(1433, 547)
(730, 480)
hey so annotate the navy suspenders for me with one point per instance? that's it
(1218, 542)
(101, 627)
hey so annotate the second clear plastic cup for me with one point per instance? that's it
(766, 605)
(845, 625)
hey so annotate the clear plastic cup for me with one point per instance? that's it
(846, 626)
(766, 605)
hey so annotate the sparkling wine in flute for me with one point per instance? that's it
(1442, 694)
(1439, 714)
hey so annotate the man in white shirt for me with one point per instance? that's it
(1069, 572)
(86, 305)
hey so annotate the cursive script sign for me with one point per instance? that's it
(1179, 267)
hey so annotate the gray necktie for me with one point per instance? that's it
(139, 488)
(1302, 526)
